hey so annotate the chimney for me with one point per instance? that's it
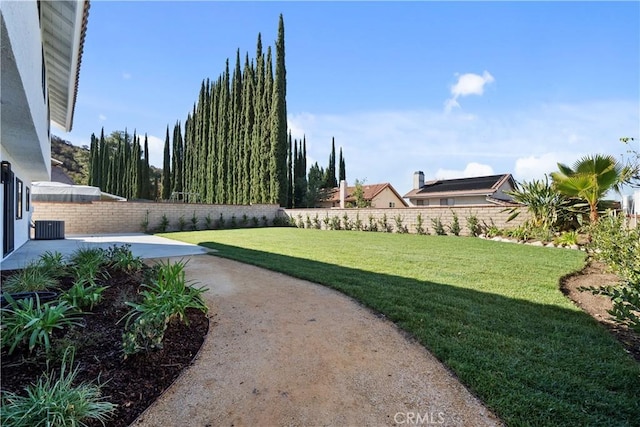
(343, 193)
(418, 180)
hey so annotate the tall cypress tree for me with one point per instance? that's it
(146, 184)
(166, 169)
(343, 170)
(177, 160)
(278, 167)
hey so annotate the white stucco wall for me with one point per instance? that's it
(23, 28)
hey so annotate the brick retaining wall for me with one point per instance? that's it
(127, 217)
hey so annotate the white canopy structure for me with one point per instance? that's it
(47, 191)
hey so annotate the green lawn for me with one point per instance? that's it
(490, 311)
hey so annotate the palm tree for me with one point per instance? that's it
(590, 179)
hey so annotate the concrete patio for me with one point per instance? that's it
(142, 245)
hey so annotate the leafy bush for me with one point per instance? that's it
(550, 210)
(334, 224)
(358, 223)
(208, 222)
(455, 224)
(97, 257)
(244, 221)
(438, 228)
(83, 294)
(265, 221)
(400, 228)
(31, 278)
(384, 224)
(166, 298)
(144, 224)
(420, 225)
(28, 322)
(194, 221)
(346, 222)
(234, 222)
(473, 224)
(567, 238)
(221, 222)
(308, 222)
(254, 221)
(121, 258)
(164, 223)
(182, 223)
(52, 264)
(300, 223)
(619, 248)
(56, 401)
(373, 225)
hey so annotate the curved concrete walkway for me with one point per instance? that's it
(282, 351)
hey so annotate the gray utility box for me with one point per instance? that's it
(49, 230)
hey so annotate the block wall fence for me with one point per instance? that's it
(489, 214)
(127, 217)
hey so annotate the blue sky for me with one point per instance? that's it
(450, 88)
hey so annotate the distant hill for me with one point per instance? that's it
(75, 160)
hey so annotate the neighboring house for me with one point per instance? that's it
(41, 45)
(379, 195)
(481, 190)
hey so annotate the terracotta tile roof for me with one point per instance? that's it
(370, 192)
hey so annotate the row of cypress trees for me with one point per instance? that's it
(119, 165)
(235, 145)
(234, 148)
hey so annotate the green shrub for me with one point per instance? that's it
(234, 222)
(384, 224)
(121, 258)
(473, 224)
(144, 224)
(619, 248)
(182, 223)
(194, 221)
(56, 401)
(83, 294)
(88, 255)
(31, 278)
(308, 222)
(316, 222)
(254, 221)
(300, 223)
(420, 225)
(221, 221)
(400, 228)
(164, 223)
(326, 220)
(335, 223)
(166, 298)
(454, 228)
(28, 322)
(53, 264)
(438, 228)
(265, 221)
(373, 224)
(358, 223)
(346, 222)
(244, 221)
(567, 238)
(208, 222)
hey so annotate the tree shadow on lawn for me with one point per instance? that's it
(532, 364)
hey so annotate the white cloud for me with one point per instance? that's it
(156, 149)
(535, 167)
(467, 84)
(102, 117)
(472, 169)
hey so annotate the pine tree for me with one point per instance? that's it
(146, 183)
(166, 169)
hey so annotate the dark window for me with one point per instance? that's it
(18, 199)
(27, 199)
(392, 204)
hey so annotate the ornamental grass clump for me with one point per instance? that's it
(30, 279)
(29, 322)
(167, 298)
(56, 401)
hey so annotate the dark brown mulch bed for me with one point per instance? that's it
(133, 383)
